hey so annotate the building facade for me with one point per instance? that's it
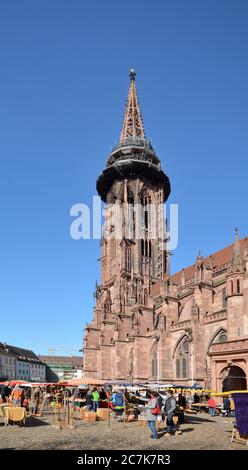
(149, 325)
(28, 366)
(7, 364)
(62, 367)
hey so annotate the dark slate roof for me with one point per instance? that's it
(23, 354)
(76, 362)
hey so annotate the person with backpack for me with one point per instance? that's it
(118, 402)
(152, 410)
(95, 398)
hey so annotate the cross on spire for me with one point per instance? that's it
(133, 123)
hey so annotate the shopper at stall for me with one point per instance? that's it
(152, 411)
(211, 407)
(88, 398)
(227, 406)
(95, 398)
(170, 411)
(196, 398)
(17, 395)
(181, 401)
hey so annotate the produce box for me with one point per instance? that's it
(90, 416)
(103, 413)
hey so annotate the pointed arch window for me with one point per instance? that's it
(128, 259)
(222, 338)
(178, 369)
(224, 300)
(238, 286)
(184, 368)
(182, 359)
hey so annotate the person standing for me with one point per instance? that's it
(37, 396)
(211, 406)
(196, 398)
(181, 401)
(17, 395)
(96, 399)
(88, 398)
(170, 411)
(152, 410)
(227, 406)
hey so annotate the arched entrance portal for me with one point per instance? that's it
(234, 378)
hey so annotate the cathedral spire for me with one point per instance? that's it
(133, 123)
(236, 249)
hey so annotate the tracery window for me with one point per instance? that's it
(182, 359)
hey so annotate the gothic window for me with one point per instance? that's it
(129, 259)
(185, 346)
(134, 227)
(146, 218)
(142, 247)
(222, 338)
(224, 301)
(130, 219)
(182, 359)
(231, 287)
(238, 286)
(150, 249)
(145, 211)
(178, 369)
(184, 368)
(154, 364)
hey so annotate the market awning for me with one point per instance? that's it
(82, 381)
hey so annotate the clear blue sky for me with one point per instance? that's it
(64, 80)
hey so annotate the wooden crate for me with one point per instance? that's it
(90, 416)
(103, 413)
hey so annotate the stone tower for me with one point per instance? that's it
(133, 256)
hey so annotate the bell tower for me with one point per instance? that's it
(134, 188)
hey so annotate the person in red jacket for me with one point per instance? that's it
(211, 406)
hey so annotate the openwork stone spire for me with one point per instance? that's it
(133, 122)
(236, 259)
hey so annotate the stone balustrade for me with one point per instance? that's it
(239, 345)
(181, 325)
(220, 315)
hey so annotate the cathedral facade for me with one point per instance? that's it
(186, 328)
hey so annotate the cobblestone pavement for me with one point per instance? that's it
(198, 432)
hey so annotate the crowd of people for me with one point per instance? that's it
(21, 397)
(157, 408)
(224, 408)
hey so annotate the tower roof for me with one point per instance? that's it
(133, 156)
(132, 123)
